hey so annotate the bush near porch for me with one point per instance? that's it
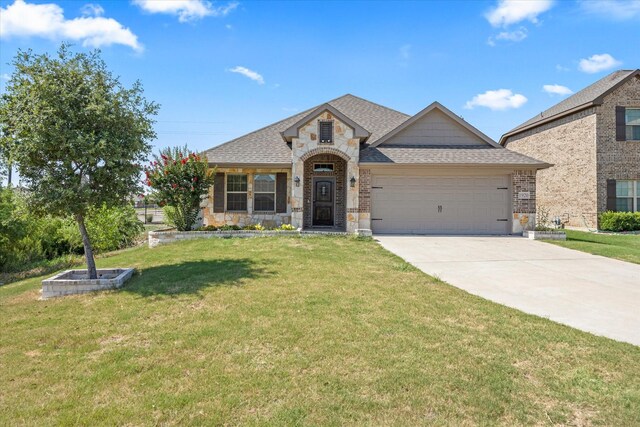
(620, 221)
(297, 331)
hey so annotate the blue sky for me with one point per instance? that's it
(222, 69)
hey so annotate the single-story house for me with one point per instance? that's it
(351, 164)
(593, 140)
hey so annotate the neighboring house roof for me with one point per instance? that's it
(266, 146)
(447, 155)
(587, 97)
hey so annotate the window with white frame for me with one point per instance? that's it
(237, 193)
(264, 193)
(627, 196)
(632, 123)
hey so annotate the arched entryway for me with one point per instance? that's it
(325, 192)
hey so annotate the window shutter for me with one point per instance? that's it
(281, 192)
(621, 128)
(218, 193)
(611, 195)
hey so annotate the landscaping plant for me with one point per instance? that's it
(75, 134)
(179, 179)
(620, 221)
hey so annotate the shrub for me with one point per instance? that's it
(180, 179)
(287, 227)
(149, 218)
(227, 227)
(256, 227)
(208, 228)
(620, 221)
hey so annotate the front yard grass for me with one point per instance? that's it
(297, 331)
(619, 246)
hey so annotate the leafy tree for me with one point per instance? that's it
(75, 133)
(179, 179)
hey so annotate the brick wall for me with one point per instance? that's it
(364, 193)
(339, 173)
(616, 159)
(524, 181)
(568, 189)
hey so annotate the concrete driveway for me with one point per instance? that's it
(592, 293)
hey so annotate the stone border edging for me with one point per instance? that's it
(169, 235)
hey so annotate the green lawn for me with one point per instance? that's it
(297, 331)
(623, 247)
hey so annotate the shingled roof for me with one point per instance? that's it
(266, 146)
(447, 155)
(587, 97)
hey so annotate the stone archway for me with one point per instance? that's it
(315, 210)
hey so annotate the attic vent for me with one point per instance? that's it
(325, 130)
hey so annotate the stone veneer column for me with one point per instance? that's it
(524, 209)
(364, 200)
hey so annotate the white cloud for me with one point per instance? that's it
(256, 77)
(509, 12)
(597, 63)
(501, 99)
(91, 9)
(557, 89)
(186, 10)
(614, 9)
(511, 36)
(4, 76)
(23, 19)
(562, 68)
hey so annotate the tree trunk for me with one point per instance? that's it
(88, 251)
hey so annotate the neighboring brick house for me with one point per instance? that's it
(593, 140)
(350, 164)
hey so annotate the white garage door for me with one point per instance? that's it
(440, 205)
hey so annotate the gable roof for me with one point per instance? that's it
(435, 106)
(587, 97)
(294, 130)
(266, 145)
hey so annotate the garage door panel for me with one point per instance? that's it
(470, 205)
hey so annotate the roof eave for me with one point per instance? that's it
(536, 166)
(547, 120)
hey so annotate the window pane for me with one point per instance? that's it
(638, 188)
(633, 133)
(624, 188)
(264, 183)
(264, 202)
(236, 201)
(624, 205)
(632, 116)
(236, 182)
(323, 167)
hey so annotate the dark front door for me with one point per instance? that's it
(323, 202)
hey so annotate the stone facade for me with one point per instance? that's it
(584, 151)
(344, 146)
(268, 219)
(364, 197)
(567, 189)
(616, 159)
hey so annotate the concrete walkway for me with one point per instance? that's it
(588, 292)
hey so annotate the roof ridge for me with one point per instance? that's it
(370, 102)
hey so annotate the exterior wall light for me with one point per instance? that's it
(297, 181)
(353, 181)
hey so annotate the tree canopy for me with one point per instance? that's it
(76, 135)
